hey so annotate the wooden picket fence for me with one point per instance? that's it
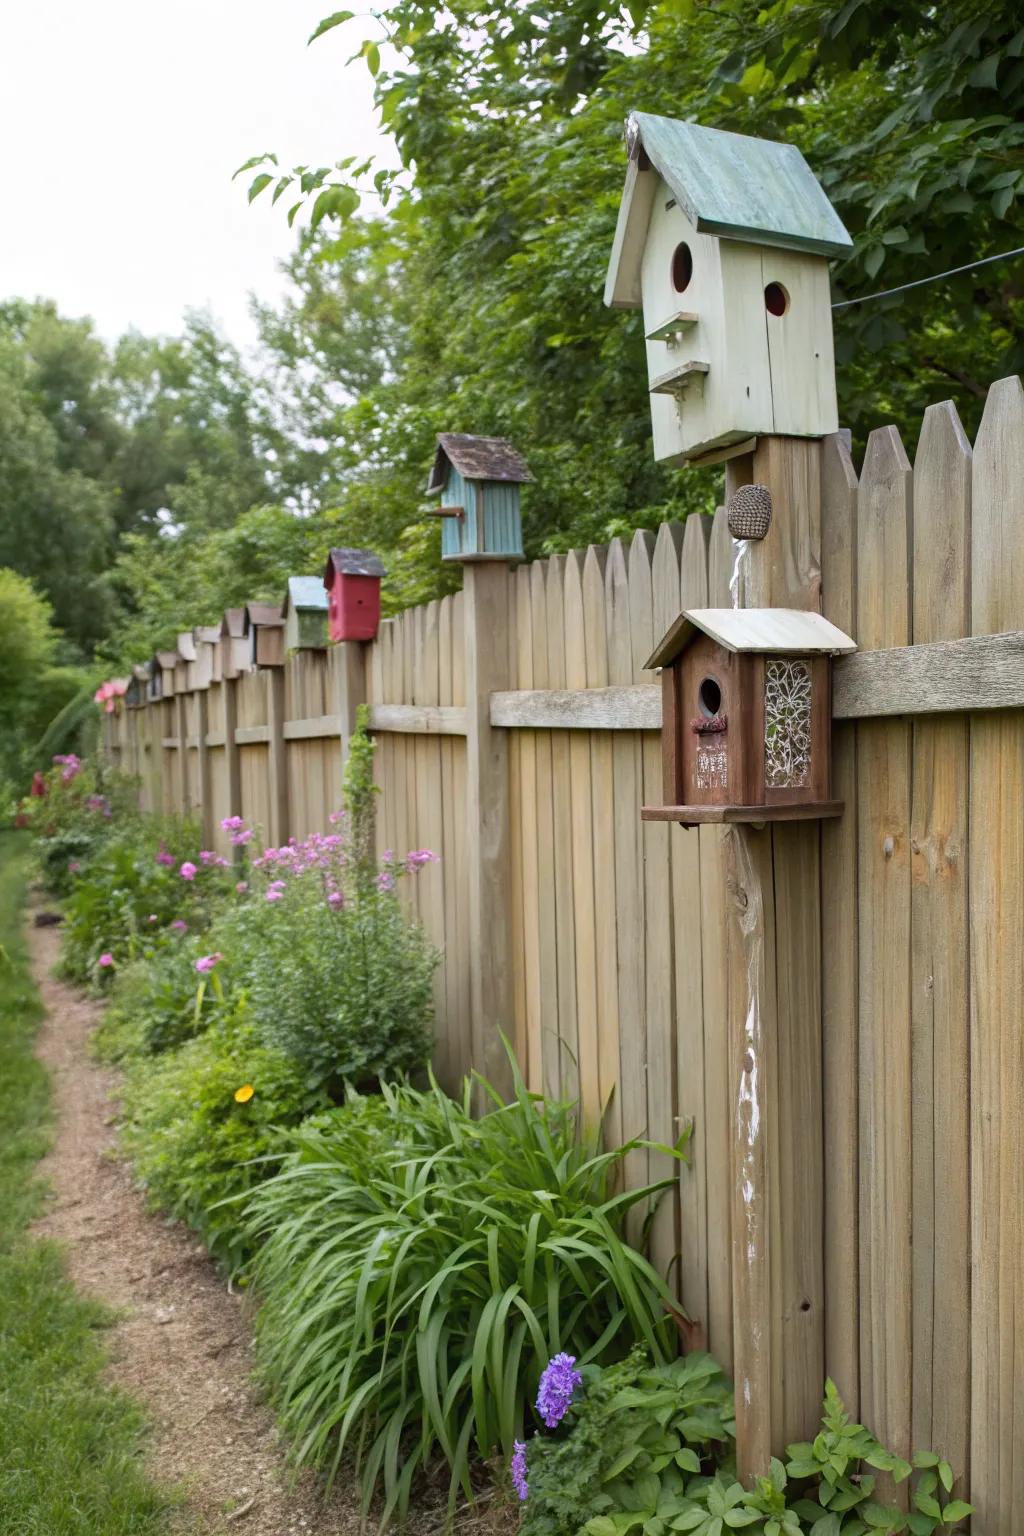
(893, 999)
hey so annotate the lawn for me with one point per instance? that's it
(69, 1446)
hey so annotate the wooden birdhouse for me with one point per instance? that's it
(478, 479)
(264, 629)
(164, 668)
(235, 646)
(304, 610)
(185, 672)
(137, 691)
(352, 579)
(205, 638)
(746, 716)
(723, 241)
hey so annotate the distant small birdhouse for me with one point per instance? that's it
(352, 579)
(137, 692)
(264, 629)
(304, 610)
(723, 241)
(235, 646)
(205, 638)
(478, 479)
(746, 716)
(185, 672)
(165, 666)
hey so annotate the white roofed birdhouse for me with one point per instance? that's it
(723, 241)
(746, 716)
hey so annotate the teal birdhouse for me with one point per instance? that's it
(478, 479)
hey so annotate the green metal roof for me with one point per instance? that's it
(305, 592)
(743, 188)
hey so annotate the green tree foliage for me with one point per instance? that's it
(27, 646)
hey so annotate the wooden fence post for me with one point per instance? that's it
(773, 878)
(277, 768)
(350, 689)
(488, 849)
(232, 756)
(205, 785)
(181, 764)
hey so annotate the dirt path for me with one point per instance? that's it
(181, 1346)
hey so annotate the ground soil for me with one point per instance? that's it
(181, 1345)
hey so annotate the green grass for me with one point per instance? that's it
(69, 1446)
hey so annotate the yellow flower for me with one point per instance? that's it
(244, 1094)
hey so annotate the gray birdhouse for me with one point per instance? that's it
(723, 241)
(165, 665)
(185, 672)
(478, 479)
(304, 611)
(205, 638)
(747, 716)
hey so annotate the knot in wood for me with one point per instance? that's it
(749, 511)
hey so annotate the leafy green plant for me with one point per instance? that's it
(651, 1450)
(159, 1000)
(202, 1127)
(418, 1267)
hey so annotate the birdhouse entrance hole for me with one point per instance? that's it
(710, 697)
(776, 299)
(682, 267)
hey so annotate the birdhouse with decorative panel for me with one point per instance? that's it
(352, 579)
(723, 241)
(264, 630)
(746, 716)
(478, 480)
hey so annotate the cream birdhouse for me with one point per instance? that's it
(723, 241)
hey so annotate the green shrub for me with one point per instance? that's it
(74, 810)
(418, 1267)
(193, 1132)
(651, 1450)
(159, 1000)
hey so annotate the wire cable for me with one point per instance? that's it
(937, 277)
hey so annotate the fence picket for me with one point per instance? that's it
(548, 950)
(997, 982)
(939, 969)
(883, 857)
(839, 950)
(582, 835)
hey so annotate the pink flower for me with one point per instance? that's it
(242, 887)
(187, 871)
(207, 962)
(419, 857)
(385, 880)
(179, 925)
(239, 838)
(73, 866)
(335, 900)
(70, 765)
(106, 959)
(232, 824)
(153, 918)
(275, 895)
(163, 857)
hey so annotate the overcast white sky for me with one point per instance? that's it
(121, 122)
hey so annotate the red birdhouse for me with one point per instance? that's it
(352, 578)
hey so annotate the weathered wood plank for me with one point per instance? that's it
(561, 805)
(839, 951)
(420, 719)
(603, 791)
(629, 896)
(526, 828)
(629, 707)
(687, 859)
(939, 959)
(584, 916)
(883, 848)
(997, 984)
(547, 948)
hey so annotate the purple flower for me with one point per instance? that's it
(187, 871)
(163, 857)
(207, 962)
(275, 895)
(106, 959)
(519, 1482)
(420, 856)
(239, 838)
(70, 765)
(179, 925)
(335, 900)
(558, 1382)
(232, 824)
(385, 880)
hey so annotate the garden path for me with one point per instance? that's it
(181, 1344)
